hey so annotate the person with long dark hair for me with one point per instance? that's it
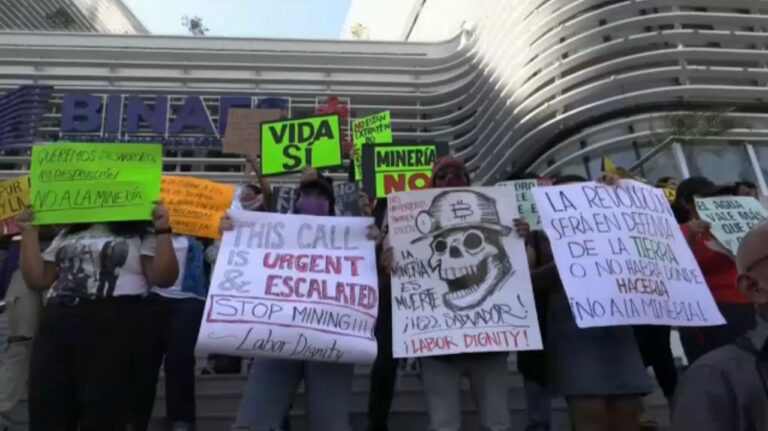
(94, 338)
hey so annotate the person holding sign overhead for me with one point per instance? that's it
(94, 337)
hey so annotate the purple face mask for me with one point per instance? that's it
(313, 205)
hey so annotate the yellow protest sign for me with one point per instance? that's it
(14, 196)
(195, 205)
(671, 194)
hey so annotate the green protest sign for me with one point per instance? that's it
(526, 205)
(291, 145)
(94, 182)
(398, 168)
(731, 217)
(376, 129)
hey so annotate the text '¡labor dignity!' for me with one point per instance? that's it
(293, 270)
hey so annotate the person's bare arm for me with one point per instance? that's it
(37, 274)
(162, 269)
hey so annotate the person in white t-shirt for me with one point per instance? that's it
(95, 333)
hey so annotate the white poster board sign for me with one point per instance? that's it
(526, 205)
(731, 217)
(622, 257)
(294, 287)
(460, 282)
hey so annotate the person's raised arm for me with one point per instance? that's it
(162, 269)
(37, 274)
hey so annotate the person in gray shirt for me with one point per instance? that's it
(726, 389)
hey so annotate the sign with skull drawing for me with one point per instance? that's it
(460, 282)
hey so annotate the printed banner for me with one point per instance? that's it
(90, 182)
(398, 168)
(526, 205)
(14, 196)
(731, 217)
(290, 146)
(243, 134)
(294, 287)
(196, 206)
(376, 129)
(622, 256)
(347, 202)
(460, 282)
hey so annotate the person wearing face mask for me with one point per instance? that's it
(272, 383)
(726, 389)
(487, 372)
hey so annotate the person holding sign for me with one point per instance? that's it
(441, 374)
(94, 337)
(598, 370)
(719, 270)
(272, 383)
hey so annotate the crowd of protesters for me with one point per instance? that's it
(93, 348)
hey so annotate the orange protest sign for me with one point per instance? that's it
(196, 206)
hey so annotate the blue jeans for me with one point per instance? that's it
(272, 385)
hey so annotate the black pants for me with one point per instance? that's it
(656, 349)
(87, 359)
(384, 371)
(177, 323)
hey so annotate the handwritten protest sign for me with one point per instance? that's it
(622, 257)
(243, 134)
(196, 206)
(397, 168)
(376, 129)
(346, 197)
(89, 182)
(731, 217)
(14, 196)
(461, 281)
(291, 145)
(526, 205)
(295, 287)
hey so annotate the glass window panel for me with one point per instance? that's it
(663, 164)
(722, 163)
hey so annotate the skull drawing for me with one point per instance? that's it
(466, 243)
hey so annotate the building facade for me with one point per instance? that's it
(86, 16)
(544, 85)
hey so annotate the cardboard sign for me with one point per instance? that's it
(89, 182)
(622, 257)
(293, 287)
(376, 129)
(526, 205)
(460, 281)
(347, 202)
(290, 146)
(731, 217)
(243, 134)
(14, 196)
(196, 206)
(398, 168)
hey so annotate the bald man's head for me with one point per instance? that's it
(753, 247)
(752, 263)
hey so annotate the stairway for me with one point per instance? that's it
(218, 397)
